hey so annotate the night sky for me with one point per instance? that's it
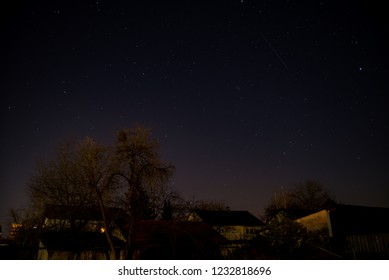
(245, 97)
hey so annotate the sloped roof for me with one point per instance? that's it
(355, 219)
(350, 219)
(65, 212)
(150, 232)
(228, 218)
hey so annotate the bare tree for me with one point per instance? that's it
(211, 205)
(60, 181)
(91, 174)
(165, 202)
(141, 167)
(81, 176)
(311, 196)
(99, 167)
(303, 199)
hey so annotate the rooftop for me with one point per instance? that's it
(228, 218)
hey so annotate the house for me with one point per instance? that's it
(77, 246)
(356, 232)
(234, 225)
(14, 230)
(78, 218)
(176, 240)
(71, 232)
(79, 233)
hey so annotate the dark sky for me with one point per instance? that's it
(246, 97)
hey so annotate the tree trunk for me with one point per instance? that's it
(108, 235)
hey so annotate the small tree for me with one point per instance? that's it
(24, 232)
(282, 238)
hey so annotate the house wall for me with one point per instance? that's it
(56, 254)
(43, 254)
(367, 246)
(238, 232)
(60, 224)
(233, 232)
(317, 221)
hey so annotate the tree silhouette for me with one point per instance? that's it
(303, 199)
(93, 175)
(141, 167)
(61, 181)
